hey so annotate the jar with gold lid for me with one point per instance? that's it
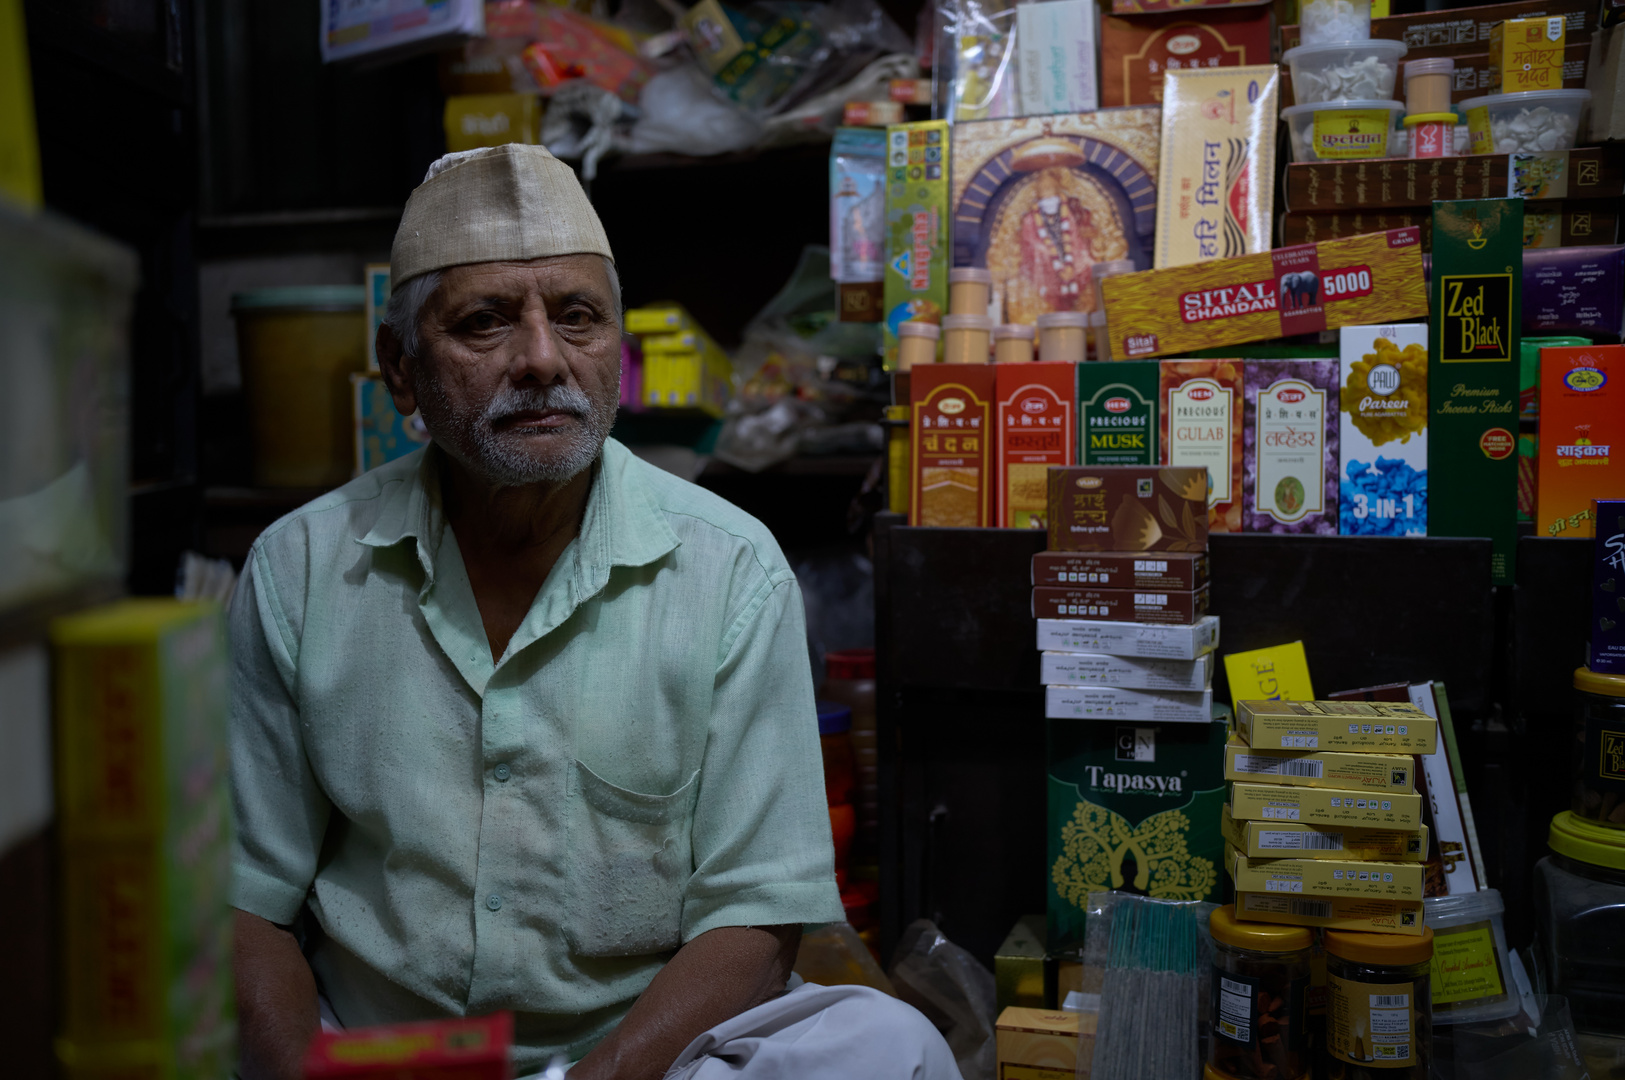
(1379, 1008)
(1260, 995)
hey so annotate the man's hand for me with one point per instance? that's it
(277, 1015)
(713, 978)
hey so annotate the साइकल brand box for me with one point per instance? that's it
(952, 445)
(1127, 508)
(1299, 840)
(1131, 806)
(1606, 651)
(1125, 672)
(1293, 290)
(1117, 413)
(1144, 640)
(1290, 438)
(1118, 605)
(1361, 914)
(1384, 430)
(1136, 706)
(1034, 415)
(1325, 806)
(1348, 769)
(1326, 877)
(1055, 57)
(1109, 570)
(1136, 51)
(1216, 191)
(1389, 727)
(1201, 421)
(1473, 361)
(1526, 54)
(916, 272)
(1582, 437)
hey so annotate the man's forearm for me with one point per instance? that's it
(713, 978)
(277, 1014)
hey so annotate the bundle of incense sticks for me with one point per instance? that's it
(1149, 997)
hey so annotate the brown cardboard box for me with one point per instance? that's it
(1118, 605)
(1605, 78)
(1467, 30)
(1127, 508)
(1040, 1044)
(1110, 570)
(1136, 50)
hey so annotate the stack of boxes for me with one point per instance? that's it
(682, 367)
(1324, 824)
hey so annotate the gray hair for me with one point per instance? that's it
(405, 310)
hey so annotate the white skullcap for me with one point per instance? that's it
(497, 204)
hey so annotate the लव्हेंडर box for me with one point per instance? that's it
(1384, 430)
(1290, 436)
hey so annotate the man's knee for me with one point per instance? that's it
(883, 1030)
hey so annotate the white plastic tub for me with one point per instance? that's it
(1526, 122)
(1320, 21)
(1472, 973)
(1343, 130)
(1344, 70)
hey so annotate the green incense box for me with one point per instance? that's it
(915, 280)
(1475, 300)
(1117, 413)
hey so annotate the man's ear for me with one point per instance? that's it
(398, 369)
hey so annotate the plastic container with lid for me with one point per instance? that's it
(1013, 343)
(1345, 70)
(1599, 747)
(1379, 1011)
(1342, 130)
(917, 343)
(966, 339)
(1427, 85)
(1525, 123)
(1580, 928)
(1062, 335)
(1322, 21)
(969, 289)
(1472, 971)
(1259, 999)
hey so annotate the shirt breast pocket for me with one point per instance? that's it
(632, 856)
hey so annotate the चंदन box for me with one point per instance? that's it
(1327, 877)
(1130, 639)
(915, 283)
(1117, 413)
(1582, 437)
(1526, 54)
(1350, 769)
(1287, 291)
(1110, 570)
(952, 445)
(1473, 361)
(1136, 51)
(1118, 605)
(1125, 672)
(1389, 727)
(1036, 403)
(1201, 407)
(1127, 508)
(1606, 655)
(1290, 438)
(1325, 806)
(1130, 706)
(1384, 430)
(1301, 840)
(1333, 912)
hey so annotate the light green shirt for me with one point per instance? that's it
(540, 832)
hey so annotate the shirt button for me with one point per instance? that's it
(494, 902)
(501, 773)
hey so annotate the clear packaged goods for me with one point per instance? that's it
(1599, 736)
(857, 221)
(1379, 1023)
(1579, 901)
(1013, 343)
(1358, 70)
(1334, 20)
(1525, 123)
(1342, 130)
(1472, 976)
(1259, 999)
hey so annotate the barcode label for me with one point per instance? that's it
(1274, 766)
(1312, 909)
(1390, 1001)
(1276, 840)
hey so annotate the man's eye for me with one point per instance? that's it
(576, 317)
(484, 320)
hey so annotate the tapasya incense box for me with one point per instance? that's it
(1290, 438)
(1118, 605)
(1383, 426)
(1130, 639)
(1582, 436)
(1327, 877)
(1127, 508)
(1476, 291)
(1139, 706)
(1036, 429)
(915, 281)
(1607, 652)
(1109, 570)
(1117, 413)
(1129, 673)
(1322, 768)
(1361, 914)
(1298, 840)
(1383, 726)
(1201, 422)
(1325, 806)
(952, 442)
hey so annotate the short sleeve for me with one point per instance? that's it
(762, 849)
(281, 811)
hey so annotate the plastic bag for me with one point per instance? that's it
(834, 955)
(819, 115)
(953, 990)
(581, 122)
(1538, 1044)
(977, 41)
(570, 46)
(682, 113)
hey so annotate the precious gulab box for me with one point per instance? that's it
(1118, 605)
(1127, 508)
(1303, 289)
(1108, 570)
(1201, 415)
(951, 440)
(1037, 403)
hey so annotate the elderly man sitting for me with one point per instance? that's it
(523, 723)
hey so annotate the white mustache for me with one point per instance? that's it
(511, 400)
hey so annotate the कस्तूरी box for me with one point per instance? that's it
(951, 440)
(1118, 605)
(916, 271)
(1034, 416)
(1146, 640)
(1382, 726)
(1326, 877)
(1290, 436)
(1363, 914)
(1301, 840)
(1129, 706)
(1129, 570)
(1125, 672)
(1582, 437)
(1325, 806)
(1349, 769)
(1117, 412)
(1201, 419)
(1127, 508)
(1384, 430)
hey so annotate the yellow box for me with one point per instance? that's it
(658, 319)
(1326, 877)
(1018, 965)
(1384, 726)
(1333, 912)
(1297, 840)
(1042, 1044)
(1278, 673)
(476, 120)
(1326, 806)
(1348, 769)
(1527, 54)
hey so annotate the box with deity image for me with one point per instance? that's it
(1039, 200)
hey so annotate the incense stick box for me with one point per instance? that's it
(1324, 768)
(915, 281)
(1290, 434)
(1384, 726)
(1130, 673)
(1119, 605)
(1333, 912)
(1127, 508)
(1383, 433)
(952, 440)
(1117, 413)
(1130, 639)
(1327, 877)
(1041, 1042)
(1138, 706)
(1110, 570)
(1300, 840)
(1201, 422)
(1326, 806)
(1582, 436)
(1036, 403)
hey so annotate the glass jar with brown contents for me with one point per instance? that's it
(1259, 993)
(1379, 1009)
(1599, 743)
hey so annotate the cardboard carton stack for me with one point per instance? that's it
(1324, 824)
